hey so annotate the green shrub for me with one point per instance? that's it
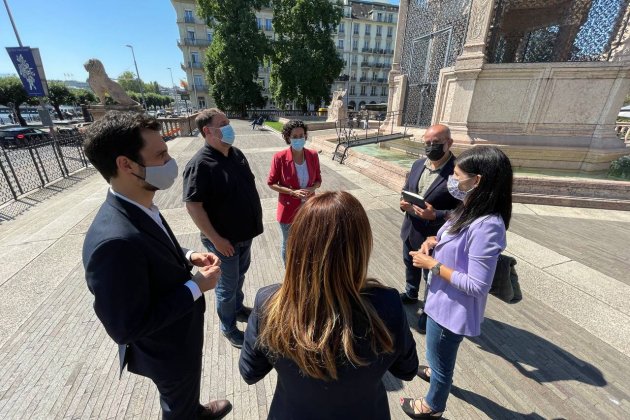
(620, 168)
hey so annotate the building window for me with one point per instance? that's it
(342, 27)
(390, 18)
(379, 17)
(383, 90)
(190, 34)
(198, 81)
(354, 59)
(202, 102)
(259, 23)
(379, 30)
(388, 46)
(268, 26)
(194, 57)
(366, 43)
(356, 29)
(374, 75)
(352, 90)
(209, 36)
(189, 17)
(368, 28)
(363, 90)
(377, 44)
(340, 44)
(390, 31)
(373, 91)
(355, 44)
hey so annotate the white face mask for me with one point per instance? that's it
(161, 177)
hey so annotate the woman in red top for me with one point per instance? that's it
(294, 174)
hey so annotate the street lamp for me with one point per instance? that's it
(173, 87)
(144, 102)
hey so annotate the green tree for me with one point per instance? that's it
(59, 94)
(128, 81)
(12, 95)
(305, 61)
(84, 96)
(237, 49)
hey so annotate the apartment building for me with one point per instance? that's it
(365, 39)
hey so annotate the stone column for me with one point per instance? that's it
(473, 53)
(394, 81)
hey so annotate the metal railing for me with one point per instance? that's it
(32, 164)
(356, 130)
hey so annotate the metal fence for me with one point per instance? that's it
(34, 164)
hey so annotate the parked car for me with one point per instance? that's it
(14, 137)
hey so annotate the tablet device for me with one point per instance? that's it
(414, 198)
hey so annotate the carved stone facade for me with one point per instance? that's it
(555, 114)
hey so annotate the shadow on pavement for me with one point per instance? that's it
(15, 208)
(489, 407)
(534, 356)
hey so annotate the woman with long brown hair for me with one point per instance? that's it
(329, 331)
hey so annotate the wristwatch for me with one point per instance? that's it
(435, 270)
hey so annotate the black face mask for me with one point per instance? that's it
(434, 152)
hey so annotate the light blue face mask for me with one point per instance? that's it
(453, 187)
(227, 134)
(298, 144)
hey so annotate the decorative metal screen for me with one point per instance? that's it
(534, 31)
(434, 37)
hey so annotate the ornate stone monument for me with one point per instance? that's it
(542, 79)
(337, 110)
(102, 86)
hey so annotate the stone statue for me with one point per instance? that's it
(337, 110)
(102, 84)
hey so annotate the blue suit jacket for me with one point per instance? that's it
(358, 393)
(416, 229)
(137, 275)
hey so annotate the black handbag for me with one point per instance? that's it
(505, 284)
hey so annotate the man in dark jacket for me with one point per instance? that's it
(428, 178)
(144, 293)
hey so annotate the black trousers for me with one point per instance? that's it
(179, 398)
(413, 275)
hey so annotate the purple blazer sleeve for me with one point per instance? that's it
(484, 243)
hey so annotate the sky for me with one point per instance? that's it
(69, 32)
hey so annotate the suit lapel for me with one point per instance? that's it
(293, 179)
(174, 240)
(442, 177)
(414, 178)
(143, 222)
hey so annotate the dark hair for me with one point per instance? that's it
(288, 127)
(117, 134)
(205, 117)
(493, 195)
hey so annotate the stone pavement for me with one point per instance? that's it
(563, 352)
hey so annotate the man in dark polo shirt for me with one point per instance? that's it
(221, 198)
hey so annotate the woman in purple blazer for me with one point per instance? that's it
(465, 253)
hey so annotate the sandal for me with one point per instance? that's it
(424, 373)
(408, 405)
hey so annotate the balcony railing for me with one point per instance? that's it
(194, 42)
(365, 64)
(192, 65)
(200, 87)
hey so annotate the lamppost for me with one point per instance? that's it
(144, 102)
(173, 87)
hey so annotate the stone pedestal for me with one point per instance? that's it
(544, 115)
(98, 111)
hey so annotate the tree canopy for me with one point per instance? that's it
(12, 94)
(237, 50)
(59, 94)
(304, 60)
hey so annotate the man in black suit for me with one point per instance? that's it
(144, 293)
(428, 177)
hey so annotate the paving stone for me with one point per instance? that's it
(563, 352)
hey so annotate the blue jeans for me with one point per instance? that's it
(413, 275)
(229, 289)
(442, 346)
(284, 227)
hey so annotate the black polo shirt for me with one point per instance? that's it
(225, 185)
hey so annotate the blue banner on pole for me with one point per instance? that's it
(24, 63)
